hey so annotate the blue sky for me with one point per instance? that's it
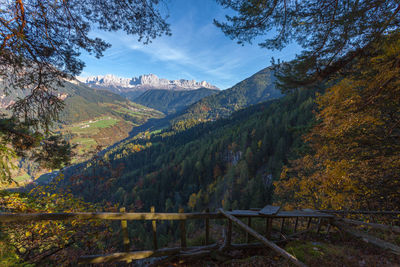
(196, 50)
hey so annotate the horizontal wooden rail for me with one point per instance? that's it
(383, 212)
(281, 214)
(383, 227)
(23, 217)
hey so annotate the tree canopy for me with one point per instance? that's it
(333, 34)
(40, 45)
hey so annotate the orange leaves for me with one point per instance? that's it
(354, 163)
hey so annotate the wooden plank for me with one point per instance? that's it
(383, 212)
(154, 226)
(281, 214)
(301, 213)
(244, 213)
(24, 217)
(183, 230)
(247, 234)
(268, 243)
(269, 210)
(229, 234)
(391, 228)
(309, 223)
(295, 225)
(319, 224)
(268, 227)
(124, 231)
(328, 229)
(136, 255)
(282, 225)
(127, 256)
(207, 222)
(368, 238)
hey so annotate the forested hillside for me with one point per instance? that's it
(230, 162)
(169, 101)
(255, 89)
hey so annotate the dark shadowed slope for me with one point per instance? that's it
(172, 101)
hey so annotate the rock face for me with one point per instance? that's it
(142, 83)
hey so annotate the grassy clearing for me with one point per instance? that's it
(92, 126)
(20, 181)
(22, 178)
(83, 134)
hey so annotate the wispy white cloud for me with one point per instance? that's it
(163, 52)
(214, 61)
(196, 50)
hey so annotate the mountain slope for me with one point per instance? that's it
(229, 162)
(84, 103)
(255, 89)
(93, 117)
(258, 88)
(172, 101)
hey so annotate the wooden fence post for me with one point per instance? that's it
(125, 234)
(309, 222)
(268, 227)
(247, 234)
(282, 225)
(319, 225)
(328, 229)
(295, 225)
(229, 234)
(154, 225)
(183, 230)
(207, 228)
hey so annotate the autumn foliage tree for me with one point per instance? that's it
(48, 242)
(352, 47)
(355, 159)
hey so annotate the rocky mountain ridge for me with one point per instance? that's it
(143, 83)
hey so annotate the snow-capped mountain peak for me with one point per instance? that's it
(143, 82)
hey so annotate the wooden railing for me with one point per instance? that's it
(317, 218)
